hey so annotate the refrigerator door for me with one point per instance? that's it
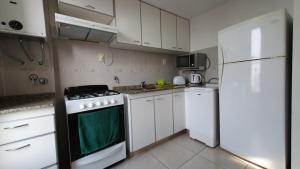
(253, 111)
(254, 38)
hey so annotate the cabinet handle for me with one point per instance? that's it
(159, 99)
(90, 6)
(146, 43)
(199, 94)
(19, 148)
(174, 47)
(180, 48)
(149, 100)
(136, 41)
(9, 128)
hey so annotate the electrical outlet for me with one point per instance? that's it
(101, 57)
(164, 61)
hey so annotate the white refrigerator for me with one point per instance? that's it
(253, 89)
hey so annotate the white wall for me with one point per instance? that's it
(79, 65)
(296, 90)
(204, 28)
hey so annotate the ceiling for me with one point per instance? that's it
(186, 8)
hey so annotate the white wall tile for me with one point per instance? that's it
(79, 65)
(14, 77)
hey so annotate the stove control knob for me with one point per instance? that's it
(112, 101)
(98, 104)
(90, 105)
(81, 106)
(105, 102)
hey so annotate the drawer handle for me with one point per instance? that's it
(199, 94)
(149, 100)
(90, 6)
(15, 127)
(19, 148)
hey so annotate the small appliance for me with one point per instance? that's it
(195, 78)
(96, 129)
(197, 61)
(23, 18)
(178, 80)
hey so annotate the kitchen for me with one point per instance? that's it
(61, 74)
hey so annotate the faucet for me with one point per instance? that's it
(143, 84)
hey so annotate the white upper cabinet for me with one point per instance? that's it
(183, 34)
(168, 31)
(128, 21)
(101, 11)
(163, 116)
(103, 6)
(151, 35)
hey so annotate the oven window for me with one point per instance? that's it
(93, 131)
(182, 61)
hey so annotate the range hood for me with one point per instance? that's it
(80, 29)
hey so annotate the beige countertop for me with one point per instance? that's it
(136, 89)
(13, 104)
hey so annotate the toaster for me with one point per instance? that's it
(178, 80)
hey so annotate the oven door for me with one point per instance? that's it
(96, 130)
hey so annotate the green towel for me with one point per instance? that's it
(98, 129)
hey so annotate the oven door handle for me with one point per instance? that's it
(98, 156)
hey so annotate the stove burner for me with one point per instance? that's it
(85, 92)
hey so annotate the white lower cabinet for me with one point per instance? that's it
(179, 111)
(27, 140)
(142, 119)
(33, 153)
(152, 117)
(163, 116)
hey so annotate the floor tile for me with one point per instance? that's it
(172, 155)
(189, 143)
(145, 161)
(199, 162)
(223, 159)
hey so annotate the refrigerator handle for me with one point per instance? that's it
(222, 70)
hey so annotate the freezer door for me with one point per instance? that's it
(261, 37)
(253, 111)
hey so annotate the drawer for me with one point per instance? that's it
(24, 129)
(35, 153)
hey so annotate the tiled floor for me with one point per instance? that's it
(184, 153)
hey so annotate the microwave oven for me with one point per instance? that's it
(196, 61)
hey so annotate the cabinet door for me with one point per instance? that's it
(183, 34)
(151, 35)
(143, 127)
(163, 116)
(128, 21)
(168, 31)
(102, 6)
(179, 111)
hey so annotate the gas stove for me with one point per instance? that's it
(85, 98)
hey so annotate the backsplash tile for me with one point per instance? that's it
(79, 65)
(14, 77)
